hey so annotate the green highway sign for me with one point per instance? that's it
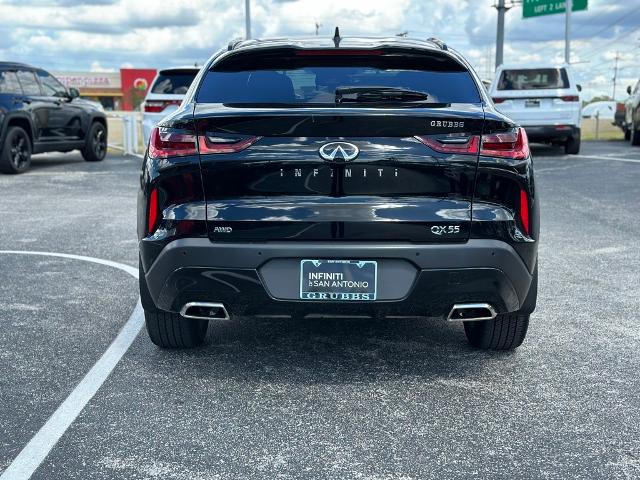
(536, 8)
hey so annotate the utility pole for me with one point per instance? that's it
(247, 19)
(615, 75)
(567, 31)
(502, 9)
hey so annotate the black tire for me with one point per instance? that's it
(505, 332)
(171, 330)
(16, 151)
(572, 145)
(95, 146)
(634, 135)
(168, 329)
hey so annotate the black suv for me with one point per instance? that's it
(38, 114)
(342, 177)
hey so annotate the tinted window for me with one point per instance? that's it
(28, 83)
(9, 82)
(303, 79)
(533, 79)
(50, 86)
(175, 82)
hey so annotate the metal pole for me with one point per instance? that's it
(615, 76)
(500, 33)
(247, 18)
(567, 31)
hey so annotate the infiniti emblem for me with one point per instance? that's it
(339, 151)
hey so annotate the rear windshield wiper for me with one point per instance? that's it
(378, 95)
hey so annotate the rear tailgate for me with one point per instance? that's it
(396, 188)
(409, 174)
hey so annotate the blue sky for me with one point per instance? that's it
(107, 34)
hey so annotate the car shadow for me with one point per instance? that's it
(547, 150)
(331, 351)
(43, 161)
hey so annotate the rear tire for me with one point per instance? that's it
(634, 135)
(15, 156)
(95, 146)
(505, 332)
(572, 145)
(168, 329)
(171, 330)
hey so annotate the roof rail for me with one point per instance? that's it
(234, 43)
(438, 42)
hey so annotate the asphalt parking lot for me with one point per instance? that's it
(319, 398)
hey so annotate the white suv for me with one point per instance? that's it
(543, 99)
(165, 95)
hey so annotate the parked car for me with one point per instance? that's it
(165, 95)
(619, 119)
(544, 99)
(604, 110)
(632, 114)
(38, 114)
(338, 176)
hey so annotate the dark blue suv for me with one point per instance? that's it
(38, 114)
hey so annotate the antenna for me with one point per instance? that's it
(336, 38)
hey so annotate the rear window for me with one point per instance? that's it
(311, 77)
(175, 82)
(533, 79)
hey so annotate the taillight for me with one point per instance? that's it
(498, 100)
(453, 144)
(152, 214)
(218, 144)
(620, 107)
(524, 211)
(167, 143)
(513, 144)
(156, 106)
(570, 98)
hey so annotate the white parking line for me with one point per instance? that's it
(615, 159)
(34, 453)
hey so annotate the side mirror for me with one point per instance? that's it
(73, 93)
(629, 89)
(579, 87)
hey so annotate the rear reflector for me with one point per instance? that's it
(499, 100)
(166, 143)
(156, 106)
(208, 144)
(524, 211)
(457, 144)
(153, 211)
(570, 98)
(513, 144)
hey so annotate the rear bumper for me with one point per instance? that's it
(548, 133)
(263, 279)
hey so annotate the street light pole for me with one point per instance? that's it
(247, 19)
(567, 31)
(502, 9)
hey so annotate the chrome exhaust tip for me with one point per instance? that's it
(471, 312)
(205, 311)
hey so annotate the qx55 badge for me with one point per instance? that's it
(338, 151)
